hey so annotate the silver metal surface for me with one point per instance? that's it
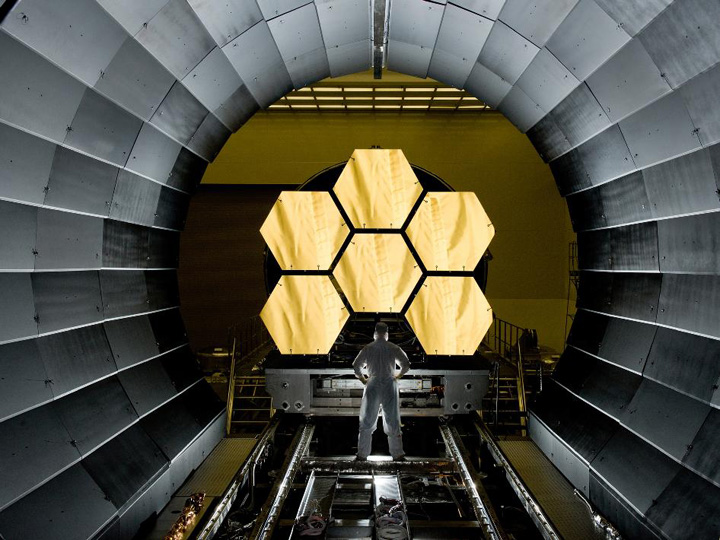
(478, 498)
(586, 39)
(699, 96)
(132, 15)
(297, 33)
(135, 199)
(17, 243)
(147, 385)
(22, 378)
(36, 95)
(410, 59)
(68, 241)
(522, 111)
(123, 293)
(66, 299)
(548, 139)
(687, 244)
(449, 69)
(343, 21)
(606, 156)
(226, 20)
(17, 319)
(135, 80)
(690, 302)
(660, 131)
(486, 85)
(487, 8)
(237, 108)
(27, 161)
(308, 68)
(154, 154)
(180, 114)
(633, 16)
(209, 138)
(580, 116)
(125, 245)
(350, 58)
(274, 8)
(84, 42)
(213, 80)
(415, 22)
(627, 82)
(506, 52)
(130, 352)
(176, 37)
(80, 183)
(102, 129)
(350, 466)
(546, 81)
(535, 20)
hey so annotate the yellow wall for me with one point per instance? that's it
(480, 152)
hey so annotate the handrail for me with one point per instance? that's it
(522, 402)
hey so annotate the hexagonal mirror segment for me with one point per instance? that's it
(304, 230)
(377, 272)
(450, 315)
(377, 189)
(304, 314)
(450, 231)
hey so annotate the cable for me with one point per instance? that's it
(390, 520)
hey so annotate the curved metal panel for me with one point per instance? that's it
(27, 161)
(275, 8)
(594, 250)
(660, 131)
(74, 359)
(409, 59)
(682, 41)
(237, 108)
(95, 414)
(213, 80)
(68, 241)
(586, 209)
(635, 248)
(597, 291)
(71, 506)
(522, 111)
(187, 171)
(297, 32)
(17, 316)
(700, 98)
(169, 329)
(535, 20)
(691, 302)
(147, 385)
(35, 446)
(487, 8)
(210, 137)
(66, 299)
(703, 455)
(162, 289)
(348, 21)
(462, 35)
(349, 58)
(683, 185)
(141, 347)
(571, 176)
(633, 16)
(635, 296)
(688, 245)
(124, 245)
(412, 22)
(132, 15)
(182, 368)
(506, 52)
(135, 80)
(226, 20)
(135, 199)
(309, 68)
(124, 292)
(85, 41)
(449, 69)
(171, 209)
(685, 362)
(180, 114)
(35, 94)
(664, 417)
(635, 469)
(153, 154)
(103, 129)
(255, 56)
(135, 459)
(606, 156)
(546, 81)
(688, 499)
(580, 116)
(80, 183)
(23, 379)
(486, 85)
(18, 224)
(625, 200)
(172, 427)
(586, 39)
(163, 249)
(627, 82)
(160, 34)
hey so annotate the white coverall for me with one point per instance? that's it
(380, 357)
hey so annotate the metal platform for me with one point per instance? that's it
(553, 492)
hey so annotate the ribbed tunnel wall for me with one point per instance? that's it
(109, 113)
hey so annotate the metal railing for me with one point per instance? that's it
(244, 340)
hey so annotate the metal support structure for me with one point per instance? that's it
(380, 27)
(350, 466)
(533, 508)
(522, 400)
(482, 507)
(268, 518)
(212, 525)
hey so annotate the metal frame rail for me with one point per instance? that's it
(482, 507)
(268, 518)
(212, 525)
(533, 508)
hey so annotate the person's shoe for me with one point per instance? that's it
(360, 458)
(400, 458)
